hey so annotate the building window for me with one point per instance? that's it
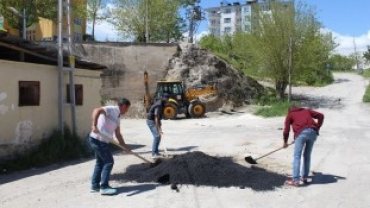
(29, 93)
(227, 29)
(31, 35)
(247, 18)
(265, 8)
(78, 94)
(78, 21)
(78, 37)
(215, 32)
(228, 11)
(213, 22)
(227, 20)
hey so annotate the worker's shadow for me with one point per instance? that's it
(320, 178)
(132, 190)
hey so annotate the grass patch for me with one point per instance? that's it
(366, 98)
(275, 109)
(272, 107)
(366, 73)
(53, 149)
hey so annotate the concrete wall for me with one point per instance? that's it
(126, 64)
(24, 126)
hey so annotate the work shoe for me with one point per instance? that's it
(94, 190)
(155, 156)
(304, 181)
(108, 191)
(292, 183)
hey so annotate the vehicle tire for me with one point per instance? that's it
(197, 109)
(169, 111)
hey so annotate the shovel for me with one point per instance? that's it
(164, 146)
(136, 155)
(250, 159)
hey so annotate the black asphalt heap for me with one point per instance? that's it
(197, 168)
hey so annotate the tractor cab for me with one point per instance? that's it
(173, 88)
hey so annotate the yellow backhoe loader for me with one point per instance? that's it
(182, 100)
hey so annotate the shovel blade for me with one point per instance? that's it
(250, 160)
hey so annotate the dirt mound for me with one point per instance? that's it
(197, 168)
(195, 67)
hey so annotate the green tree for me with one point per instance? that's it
(211, 42)
(35, 10)
(367, 54)
(289, 32)
(96, 11)
(165, 22)
(338, 62)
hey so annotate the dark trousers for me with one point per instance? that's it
(103, 166)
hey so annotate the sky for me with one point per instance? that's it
(348, 20)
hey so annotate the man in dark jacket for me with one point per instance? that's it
(154, 122)
(306, 125)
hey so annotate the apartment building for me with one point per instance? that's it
(231, 17)
(47, 30)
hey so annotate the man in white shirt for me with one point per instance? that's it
(105, 124)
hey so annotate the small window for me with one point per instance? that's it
(78, 94)
(228, 11)
(29, 93)
(227, 29)
(227, 20)
(78, 21)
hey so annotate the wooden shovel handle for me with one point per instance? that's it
(273, 151)
(130, 152)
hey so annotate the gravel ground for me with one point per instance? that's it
(200, 169)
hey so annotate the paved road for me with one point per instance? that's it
(340, 161)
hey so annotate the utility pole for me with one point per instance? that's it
(191, 25)
(194, 14)
(359, 71)
(147, 21)
(22, 27)
(290, 69)
(72, 96)
(60, 66)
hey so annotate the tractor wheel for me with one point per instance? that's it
(169, 111)
(197, 109)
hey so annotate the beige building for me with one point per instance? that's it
(29, 99)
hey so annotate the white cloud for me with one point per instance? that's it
(104, 31)
(197, 36)
(346, 43)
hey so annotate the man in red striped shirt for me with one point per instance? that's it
(306, 124)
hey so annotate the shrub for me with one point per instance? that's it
(276, 108)
(54, 148)
(366, 98)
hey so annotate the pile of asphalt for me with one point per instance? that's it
(197, 168)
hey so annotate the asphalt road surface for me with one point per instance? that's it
(340, 163)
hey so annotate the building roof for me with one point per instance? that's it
(12, 46)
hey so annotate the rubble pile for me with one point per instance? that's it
(197, 168)
(195, 66)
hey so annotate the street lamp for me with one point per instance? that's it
(23, 16)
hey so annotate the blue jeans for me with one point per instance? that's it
(156, 136)
(305, 140)
(103, 166)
